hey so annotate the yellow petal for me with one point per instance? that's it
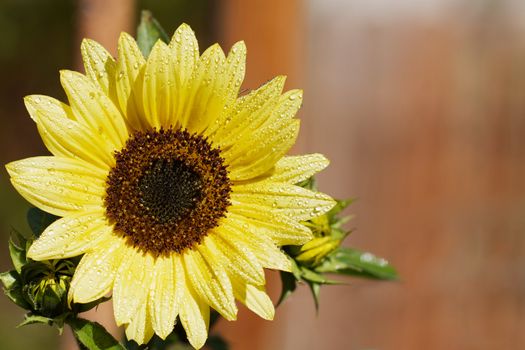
(248, 114)
(66, 137)
(139, 328)
(210, 281)
(195, 318)
(267, 253)
(281, 229)
(295, 169)
(100, 67)
(239, 259)
(235, 70)
(205, 97)
(161, 85)
(261, 156)
(71, 236)
(60, 186)
(92, 106)
(232, 78)
(96, 271)
(130, 71)
(132, 285)
(256, 153)
(185, 50)
(255, 298)
(297, 203)
(166, 295)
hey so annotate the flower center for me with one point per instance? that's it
(170, 190)
(167, 190)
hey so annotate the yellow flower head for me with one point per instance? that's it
(176, 190)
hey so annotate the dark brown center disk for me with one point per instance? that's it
(166, 191)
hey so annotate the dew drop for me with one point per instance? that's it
(367, 257)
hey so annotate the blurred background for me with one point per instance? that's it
(420, 105)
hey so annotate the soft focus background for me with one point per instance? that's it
(420, 105)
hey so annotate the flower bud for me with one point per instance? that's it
(45, 286)
(313, 252)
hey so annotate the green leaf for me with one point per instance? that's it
(353, 262)
(18, 255)
(216, 342)
(32, 319)
(289, 284)
(38, 220)
(92, 335)
(148, 32)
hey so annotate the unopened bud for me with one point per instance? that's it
(46, 285)
(313, 252)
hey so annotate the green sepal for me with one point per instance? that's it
(18, 252)
(338, 233)
(79, 308)
(58, 322)
(341, 204)
(315, 288)
(172, 342)
(289, 281)
(148, 32)
(313, 277)
(214, 318)
(309, 184)
(217, 342)
(13, 288)
(61, 320)
(39, 220)
(10, 279)
(50, 297)
(288, 285)
(296, 270)
(33, 319)
(348, 261)
(16, 295)
(92, 336)
(33, 270)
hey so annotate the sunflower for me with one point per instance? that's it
(176, 191)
